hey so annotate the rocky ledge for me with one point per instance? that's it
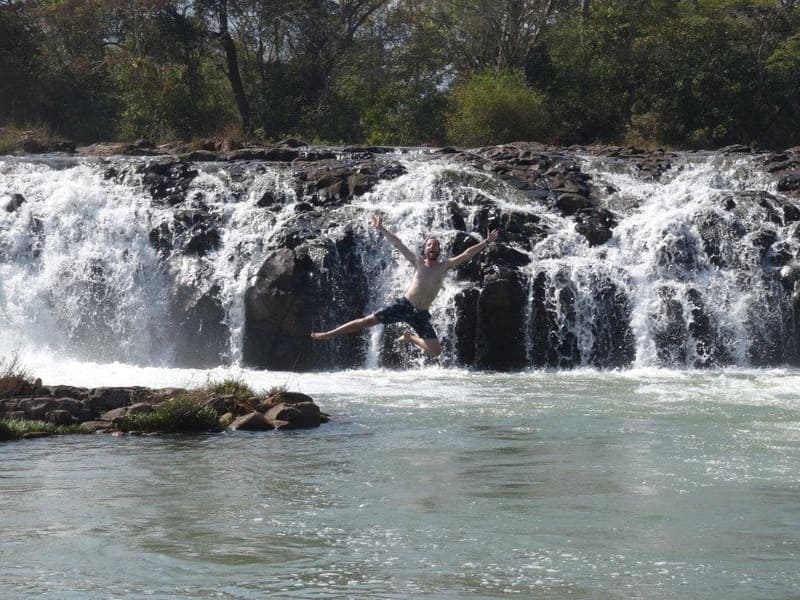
(104, 409)
(318, 251)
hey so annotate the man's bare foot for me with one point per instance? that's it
(320, 336)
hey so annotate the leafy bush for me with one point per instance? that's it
(495, 108)
(182, 414)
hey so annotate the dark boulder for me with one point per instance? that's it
(104, 399)
(570, 203)
(254, 421)
(60, 417)
(500, 343)
(200, 333)
(14, 203)
(466, 326)
(168, 180)
(551, 322)
(294, 416)
(336, 182)
(789, 183)
(313, 286)
(595, 224)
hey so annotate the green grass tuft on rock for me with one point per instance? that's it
(183, 414)
(231, 386)
(16, 429)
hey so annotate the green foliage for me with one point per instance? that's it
(404, 72)
(21, 66)
(14, 429)
(703, 90)
(231, 386)
(397, 113)
(783, 83)
(676, 74)
(245, 399)
(183, 414)
(494, 108)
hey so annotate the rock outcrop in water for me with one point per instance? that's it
(101, 409)
(583, 274)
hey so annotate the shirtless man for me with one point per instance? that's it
(412, 307)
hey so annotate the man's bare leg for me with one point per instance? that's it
(349, 327)
(431, 346)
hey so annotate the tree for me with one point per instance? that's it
(218, 16)
(21, 68)
(494, 108)
(783, 79)
(584, 66)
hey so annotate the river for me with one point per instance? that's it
(429, 483)
(656, 480)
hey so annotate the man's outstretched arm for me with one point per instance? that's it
(472, 250)
(394, 240)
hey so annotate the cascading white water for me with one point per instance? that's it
(81, 278)
(681, 280)
(78, 273)
(658, 256)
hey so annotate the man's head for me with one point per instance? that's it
(431, 249)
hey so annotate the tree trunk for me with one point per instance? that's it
(233, 68)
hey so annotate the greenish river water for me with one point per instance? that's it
(426, 484)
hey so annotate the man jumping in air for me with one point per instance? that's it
(412, 307)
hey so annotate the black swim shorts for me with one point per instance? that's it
(402, 310)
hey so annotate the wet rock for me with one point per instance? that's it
(36, 408)
(466, 326)
(294, 416)
(168, 180)
(789, 183)
(202, 156)
(670, 329)
(254, 421)
(67, 391)
(97, 426)
(287, 409)
(286, 397)
(595, 224)
(60, 417)
(292, 143)
(570, 203)
(14, 203)
(200, 332)
(554, 344)
(500, 342)
(134, 409)
(337, 182)
(104, 399)
(290, 297)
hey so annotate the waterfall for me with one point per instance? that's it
(101, 260)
